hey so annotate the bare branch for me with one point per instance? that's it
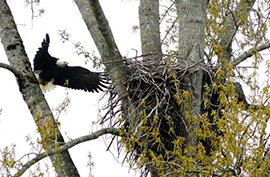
(250, 52)
(67, 146)
(169, 30)
(10, 68)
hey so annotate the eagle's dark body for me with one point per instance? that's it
(51, 69)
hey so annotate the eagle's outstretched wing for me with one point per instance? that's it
(75, 78)
(72, 77)
(43, 59)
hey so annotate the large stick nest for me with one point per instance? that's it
(156, 91)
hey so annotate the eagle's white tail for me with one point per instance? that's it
(46, 88)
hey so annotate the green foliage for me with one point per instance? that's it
(237, 136)
(11, 164)
(232, 136)
(250, 28)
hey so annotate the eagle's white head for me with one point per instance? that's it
(61, 63)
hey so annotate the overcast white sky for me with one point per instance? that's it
(15, 120)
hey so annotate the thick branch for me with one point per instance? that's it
(67, 146)
(98, 26)
(250, 53)
(31, 92)
(101, 33)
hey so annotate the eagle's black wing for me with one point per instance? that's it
(43, 59)
(75, 78)
(71, 77)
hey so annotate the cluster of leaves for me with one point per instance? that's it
(7, 160)
(11, 164)
(250, 28)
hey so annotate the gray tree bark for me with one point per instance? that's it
(149, 29)
(150, 41)
(98, 26)
(192, 14)
(32, 94)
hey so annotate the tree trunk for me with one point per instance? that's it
(149, 28)
(150, 41)
(192, 14)
(32, 94)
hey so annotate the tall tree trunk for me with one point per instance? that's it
(149, 28)
(32, 94)
(150, 41)
(192, 15)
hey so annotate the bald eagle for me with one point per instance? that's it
(51, 70)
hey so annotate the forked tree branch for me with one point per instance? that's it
(66, 146)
